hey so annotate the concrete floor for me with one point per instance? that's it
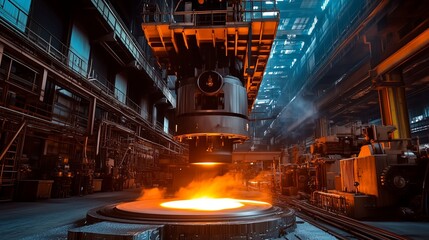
(408, 229)
(52, 218)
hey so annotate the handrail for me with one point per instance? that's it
(247, 11)
(34, 31)
(10, 143)
(100, 82)
(132, 46)
(7, 149)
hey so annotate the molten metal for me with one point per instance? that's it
(197, 206)
(254, 220)
(208, 163)
(210, 204)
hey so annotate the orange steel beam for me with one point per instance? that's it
(411, 48)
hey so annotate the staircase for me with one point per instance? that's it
(8, 173)
(8, 166)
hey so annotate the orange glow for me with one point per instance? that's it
(209, 204)
(230, 186)
(207, 163)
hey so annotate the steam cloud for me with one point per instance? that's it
(152, 193)
(226, 186)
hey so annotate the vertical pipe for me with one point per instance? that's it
(1, 51)
(85, 147)
(43, 85)
(97, 149)
(5, 87)
(21, 148)
(154, 115)
(249, 49)
(91, 115)
(393, 105)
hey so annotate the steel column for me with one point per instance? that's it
(1, 51)
(393, 105)
(91, 115)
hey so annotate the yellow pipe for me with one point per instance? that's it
(393, 106)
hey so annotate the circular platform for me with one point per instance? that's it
(253, 220)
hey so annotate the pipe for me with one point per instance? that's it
(97, 149)
(85, 145)
(393, 105)
(414, 46)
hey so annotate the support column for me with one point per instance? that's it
(91, 116)
(5, 85)
(43, 85)
(154, 115)
(393, 105)
(1, 51)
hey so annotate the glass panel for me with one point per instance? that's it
(15, 12)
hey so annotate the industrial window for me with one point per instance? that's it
(284, 24)
(70, 109)
(19, 74)
(121, 88)
(300, 23)
(79, 50)
(309, 3)
(166, 124)
(15, 12)
(23, 76)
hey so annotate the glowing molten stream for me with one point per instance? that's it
(208, 204)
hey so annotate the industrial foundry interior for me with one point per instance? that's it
(242, 106)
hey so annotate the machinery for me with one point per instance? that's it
(254, 220)
(387, 178)
(217, 52)
(211, 116)
(217, 55)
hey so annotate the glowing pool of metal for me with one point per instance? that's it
(209, 204)
(198, 207)
(252, 220)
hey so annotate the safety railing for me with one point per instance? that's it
(58, 114)
(19, 74)
(63, 115)
(247, 11)
(102, 84)
(37, 34)
(126, 38)
(55, 48)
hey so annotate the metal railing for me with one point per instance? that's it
(129, 41)
(55, 48)
(247, 11)
(102, 84)
(18, 74)
(58, 114)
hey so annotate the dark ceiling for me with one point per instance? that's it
(324, 64)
